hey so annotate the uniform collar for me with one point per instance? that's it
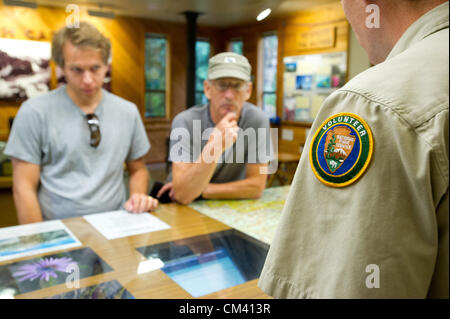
(434, 20)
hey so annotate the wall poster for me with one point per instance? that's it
(24, 69)
(308, 80)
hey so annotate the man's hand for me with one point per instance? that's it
(226, 131)
(167, 188)
(138, 203)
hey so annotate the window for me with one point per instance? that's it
(269, 97)
(202, 52)
(237, 46)
(155, 75)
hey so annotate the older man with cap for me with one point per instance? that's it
(216, 149)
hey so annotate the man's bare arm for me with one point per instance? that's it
(139, 200)
(25, 185)
(190, 179)
(251, 187)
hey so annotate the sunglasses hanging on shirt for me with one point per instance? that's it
(94, 128)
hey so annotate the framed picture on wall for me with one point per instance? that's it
(24, 69)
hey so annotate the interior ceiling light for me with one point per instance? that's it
(101, 13)
(264, 14)
(20, 3)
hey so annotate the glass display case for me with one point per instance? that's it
(209, 263)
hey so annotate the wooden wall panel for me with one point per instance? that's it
(294, 145)
(5, 113)
(157, 132)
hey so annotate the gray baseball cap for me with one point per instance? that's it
(229, 65)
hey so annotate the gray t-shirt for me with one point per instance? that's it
(191, 130)
(75, 178)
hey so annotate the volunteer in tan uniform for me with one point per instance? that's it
(367, 213)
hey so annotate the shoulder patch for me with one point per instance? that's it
(341, 149)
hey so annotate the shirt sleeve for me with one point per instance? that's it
(140, 144)
(376, 238)
(25, 139)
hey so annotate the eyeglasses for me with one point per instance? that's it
(222, 86)
(94, 128)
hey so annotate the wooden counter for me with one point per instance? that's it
(122, 256)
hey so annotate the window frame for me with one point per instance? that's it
(260, 88)
(230, 44)
(200, 39)
(166, 91)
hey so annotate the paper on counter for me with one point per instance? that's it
(120, 223)
(37, 238)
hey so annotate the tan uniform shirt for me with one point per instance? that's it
(386, 234)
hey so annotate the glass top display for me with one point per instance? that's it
(208, 263)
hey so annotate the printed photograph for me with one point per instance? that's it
(289, 108)
(304, 82)
(37, 273)
(323, 81)
(24, 69)
(337, 75)
(290, 67)
(29, 243)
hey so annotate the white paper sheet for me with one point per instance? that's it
(37, 238)
(120, 223)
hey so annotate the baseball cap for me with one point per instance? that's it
(229, 65)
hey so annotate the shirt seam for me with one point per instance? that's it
(407, 123)
(139, 155)
(294, 286)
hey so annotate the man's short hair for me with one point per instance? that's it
(86, 35)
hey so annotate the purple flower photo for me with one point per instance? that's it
(47, 271)
(44, 269)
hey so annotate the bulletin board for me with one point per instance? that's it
(308, 80)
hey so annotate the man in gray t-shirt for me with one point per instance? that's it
(68, 147)
(220, 150)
